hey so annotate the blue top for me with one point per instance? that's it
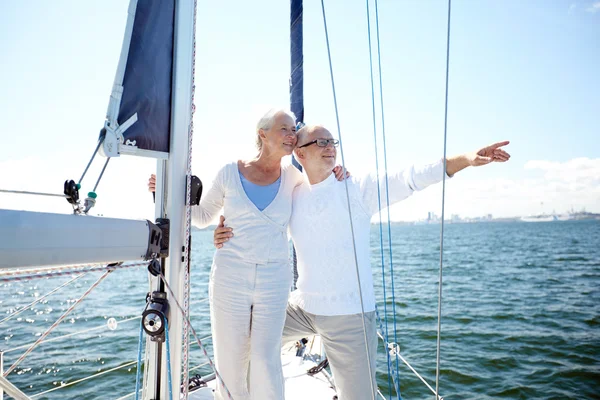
(261, 196)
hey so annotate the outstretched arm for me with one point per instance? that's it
(403, 184)
(483, 156)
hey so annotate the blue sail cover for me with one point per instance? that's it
(297, 61)
(148, 76)
(297, 65)
(296, 85)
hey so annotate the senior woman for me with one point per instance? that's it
(251, 277)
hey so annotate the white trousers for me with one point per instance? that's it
(248, 308)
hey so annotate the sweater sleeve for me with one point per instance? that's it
(401, 185)
(294, 174)
(211, 203)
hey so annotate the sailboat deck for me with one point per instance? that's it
(298, 384)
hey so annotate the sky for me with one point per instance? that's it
(524, 71)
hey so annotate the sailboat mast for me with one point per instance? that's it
(296, 83)
(172, 205)
(297, 60)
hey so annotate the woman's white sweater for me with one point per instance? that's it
(259, 236)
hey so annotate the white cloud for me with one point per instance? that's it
(583, 170)
(540, 186)
(594, 8)
(572, 8)
(559, 187)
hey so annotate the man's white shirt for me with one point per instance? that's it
(320, 230)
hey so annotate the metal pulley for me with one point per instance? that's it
(154, 317)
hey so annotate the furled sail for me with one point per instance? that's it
(139, 113)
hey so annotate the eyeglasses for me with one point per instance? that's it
(322, 143)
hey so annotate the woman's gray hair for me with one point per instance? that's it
(267, 121)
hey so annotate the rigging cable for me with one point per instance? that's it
(439, 324)
(32, 193)
(37, 300)
(337, 117)
(90, 162)
(386, 333)
(37, 273)
(168, 357)
(55, 324)
(139, 362)
(387, 197)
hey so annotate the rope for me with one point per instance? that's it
(103, 326)
(206, 338)
(168, 358)
(126, 396)
(147, 351)
(90, 162)
(32, 193)
(139, 362)
(188, 322)
(379, 200)
(337, 117)
(437, 397)
(84, 267)
(315, 370)
(204, 300)
(398, 356)
(101, 173)
(386, 343)
(40, 299)
(38, 273)
(139, 390)
(133, 393)
(55, 324)
(387, 197)
(11, 390)
(199, 366)
(188, 219)
(84, 379)
(439, 325)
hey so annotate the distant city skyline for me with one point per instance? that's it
(433, 218)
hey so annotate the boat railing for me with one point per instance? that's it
(112, 324)
(395, 352)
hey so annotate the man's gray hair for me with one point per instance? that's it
(306, 130)
(267, 121)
